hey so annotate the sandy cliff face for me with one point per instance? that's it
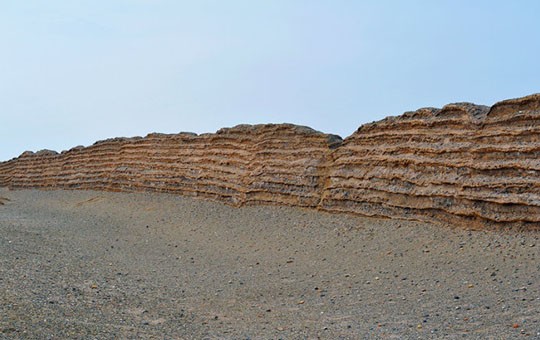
(466, 164)
(283, 164)
(463, 163)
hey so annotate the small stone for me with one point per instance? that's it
(515, 325)
(93, 286)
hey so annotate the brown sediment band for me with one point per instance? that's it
(465, 164)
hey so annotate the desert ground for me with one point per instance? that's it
(98, 265)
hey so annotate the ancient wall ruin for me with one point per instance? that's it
(245, 164)
(465, 164)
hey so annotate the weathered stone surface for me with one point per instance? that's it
(282, 164)
(466, 164)
(463, 163)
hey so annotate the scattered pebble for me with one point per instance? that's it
(167, 290)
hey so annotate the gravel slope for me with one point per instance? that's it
(84, 264)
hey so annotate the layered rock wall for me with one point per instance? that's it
(465, 164)
(245, 164)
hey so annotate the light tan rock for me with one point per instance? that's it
(466, 164)
(273, 163)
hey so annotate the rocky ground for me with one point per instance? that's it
(85, 264)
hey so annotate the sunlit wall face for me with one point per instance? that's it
(72, 72)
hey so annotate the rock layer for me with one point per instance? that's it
(466, 164)
(245, 164)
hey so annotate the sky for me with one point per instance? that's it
(74, 72)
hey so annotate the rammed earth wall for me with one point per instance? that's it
(464, 164)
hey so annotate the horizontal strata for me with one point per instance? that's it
(465, 164)
(271, 163)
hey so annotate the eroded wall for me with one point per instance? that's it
(282, 164)
(465, 164)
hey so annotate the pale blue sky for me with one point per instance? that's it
(73, 72)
